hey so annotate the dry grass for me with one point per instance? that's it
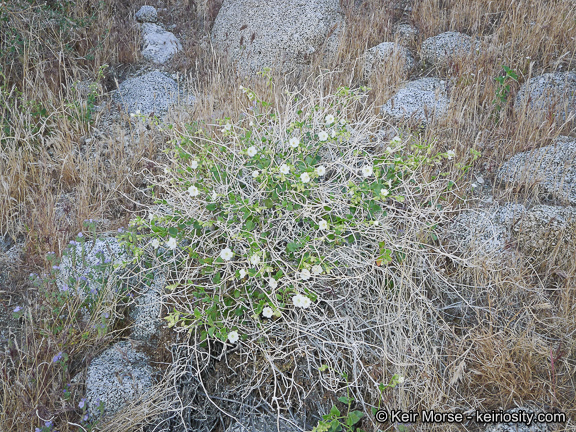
(515, 344)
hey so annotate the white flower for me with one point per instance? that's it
(297, 300)
(400, 379)
(316, 269)
(226, 254)
(132, 115)
(172, 243)
(305, 274)
(376, 223)
(272, 283)
(166, 170)
(323, 225)
(396, 140)
(214, 196)
(323, 136)
(227, 126)
(294, 142)
(137, 112)
(384, 192)
(233, 336)
(251, 123)
(305, 177)
(301, 301)
(254, 259)
(450, 154)
(329, 119)
(367, 170)
(194, 164)
(255, 173)
(243, 273)
(267, 312)
(342, 122)
(193, 191)
(333, 133)
(389, 149)
(320, 170)
(284, 169)
(252, 151)
(155, 243)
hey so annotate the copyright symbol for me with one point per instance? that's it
(381, 416)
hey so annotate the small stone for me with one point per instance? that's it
(548, 170)
(386, 53)
(420, 100)
(153, 92)
(440, 49)
(159, 45)
(116, 377)
(551, 92)
(147, 14)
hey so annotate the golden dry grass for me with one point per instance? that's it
(518, 349)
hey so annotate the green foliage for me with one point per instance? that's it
(503, 89)
(258, 210)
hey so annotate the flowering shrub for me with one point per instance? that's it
(286, 219)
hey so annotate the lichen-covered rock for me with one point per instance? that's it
(118, 376)
(548, 233)
(420, 100)
(387, 53)
(440, 49)
(159, 45)
(485, 231)
(91, 262)
(281, 35)
(550, 171)
(147, 309)
(549, 93)
(153, 92)
(147, 14)
(518, 427)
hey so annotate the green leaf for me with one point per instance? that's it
(293, 247)
(211, 331)
(173, 231)
(216, 279)
(354, 417)
(335, 426)
(334, 411)
(345, 400)
(269, 203)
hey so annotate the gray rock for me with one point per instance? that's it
(147, 14)
(118, 376)
(281, 35)
(147, 310)
(440, 49)
(518, 427)
(153, 92)
(549, 93)
(548, 233)
(420, 100)
(386, 53)
(484, 230)
(550, 170)
(159, 45)
(92, 261)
